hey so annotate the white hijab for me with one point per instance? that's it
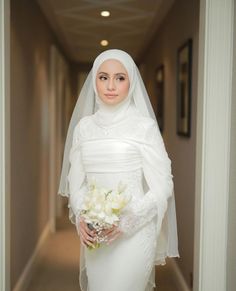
(108, 115)
(89, 103)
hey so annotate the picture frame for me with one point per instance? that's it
(184, 88)
(160, 95)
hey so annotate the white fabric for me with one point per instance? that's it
(123, 143)
(89, 103)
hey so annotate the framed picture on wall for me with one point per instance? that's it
(184, 80)
(159, 84)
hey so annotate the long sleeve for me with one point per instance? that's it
(76, 178)
(157, 174)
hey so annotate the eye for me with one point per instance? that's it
(121, 78)
(102, 78)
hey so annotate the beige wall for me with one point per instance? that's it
(30, 57)
(180, 24)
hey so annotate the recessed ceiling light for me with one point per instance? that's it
(105, 13)
(104, 42)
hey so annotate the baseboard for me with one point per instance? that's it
(28, 271)
(178, 276)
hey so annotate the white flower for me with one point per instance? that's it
(102, 207)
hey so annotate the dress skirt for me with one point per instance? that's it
(124, 265)
(127, 264)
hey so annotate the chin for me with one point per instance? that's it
(111, 101)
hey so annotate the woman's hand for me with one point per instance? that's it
(111, 234)
(87, 236)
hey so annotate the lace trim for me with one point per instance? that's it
(139, 213)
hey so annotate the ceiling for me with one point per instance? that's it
(80, 27)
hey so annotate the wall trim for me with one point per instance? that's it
(178, 276)
(27, 274)
(213, 143)
(4, 145)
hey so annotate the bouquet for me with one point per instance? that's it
(102, 207)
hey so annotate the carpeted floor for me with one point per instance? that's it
(58, 269)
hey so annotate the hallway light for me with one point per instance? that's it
(104, 42)
(105, 13)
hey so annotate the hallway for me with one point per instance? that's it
(45, 80)
(58, 268)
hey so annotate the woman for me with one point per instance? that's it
(116, 139)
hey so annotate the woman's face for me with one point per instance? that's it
(112, 82)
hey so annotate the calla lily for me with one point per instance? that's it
(102, 207)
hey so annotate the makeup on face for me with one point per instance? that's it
(112, 82)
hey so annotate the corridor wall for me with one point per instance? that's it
(180, 24)
(31, 40)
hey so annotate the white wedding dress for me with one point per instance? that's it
(125, 152)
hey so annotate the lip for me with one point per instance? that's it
(111, 95)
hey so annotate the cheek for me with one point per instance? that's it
(125, 88)
(98, 86)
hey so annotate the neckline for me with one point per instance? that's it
(131, 113)
(108, 125)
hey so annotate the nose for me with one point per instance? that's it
(111, 85)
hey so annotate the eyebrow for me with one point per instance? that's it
(114, 74)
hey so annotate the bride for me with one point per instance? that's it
(114, 137)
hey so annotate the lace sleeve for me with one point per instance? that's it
(138, 214)
(76, 178)
(157, 174)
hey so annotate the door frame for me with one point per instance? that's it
(213, 143)
(59, 77)
(5, 145)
